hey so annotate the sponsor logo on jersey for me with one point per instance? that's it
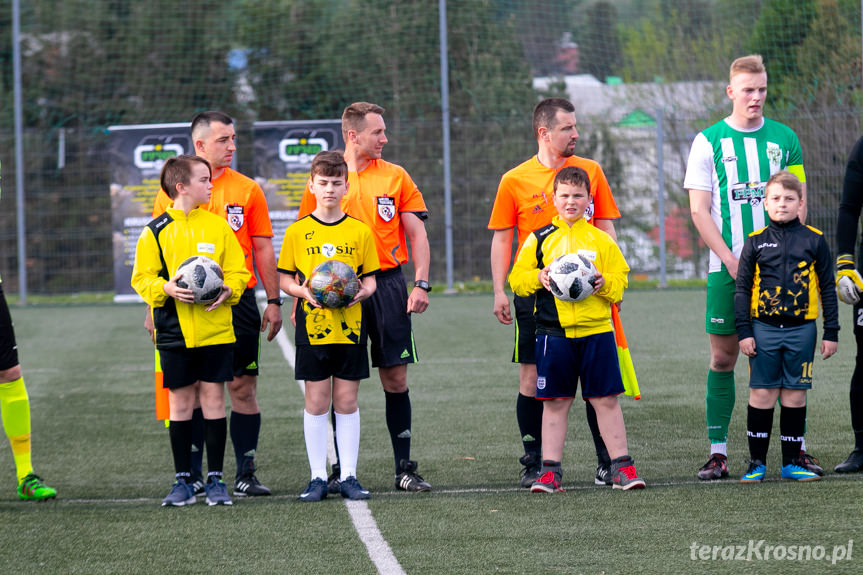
(301, 150)
(717, 320)
(386, 207)
(752, 192)
(235, 216)
(329, 250)
(206, 248)
(767, 245)
(729, 159)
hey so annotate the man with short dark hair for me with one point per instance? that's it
(523, 201)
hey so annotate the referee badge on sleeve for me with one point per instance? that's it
(235, 216)
(386, 207)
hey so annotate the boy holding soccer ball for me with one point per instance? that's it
(195, 341)
(575, 339)
(784, 269)
(331, 343)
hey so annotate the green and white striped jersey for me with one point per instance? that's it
(734, 165)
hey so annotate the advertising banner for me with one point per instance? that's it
(136, 156)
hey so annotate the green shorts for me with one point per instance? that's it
(720, 304)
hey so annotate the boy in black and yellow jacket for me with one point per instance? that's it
(194, 340)
(784, 270)
(575, 339)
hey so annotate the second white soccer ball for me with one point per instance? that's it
(203, 276)
(572, 277)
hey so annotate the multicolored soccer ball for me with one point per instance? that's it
(334, 284)
(203, 276)
(572, 277)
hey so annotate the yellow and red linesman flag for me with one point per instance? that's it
(627, 370)
(163, 408)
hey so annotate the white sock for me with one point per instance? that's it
(720, 448)
(803, 445)
(348, 440)
(315, 431)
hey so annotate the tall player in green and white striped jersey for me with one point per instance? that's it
(729, 165)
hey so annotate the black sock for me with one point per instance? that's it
(335, 443)
(528, 412)
(598, 444)
(245, 430)
(398, 415)
(216, 434)
(180, 433)
(792, 421)
(758, 425)
(197, 442)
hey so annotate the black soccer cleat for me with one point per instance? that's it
(532, 469)
(715, 468)
(334, 480)
(409, 479)
(852, 464)
(249, 486)
(810, 463)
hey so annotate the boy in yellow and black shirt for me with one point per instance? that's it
(195, 341)
(331, 343)
(784, 270)
(575, 339)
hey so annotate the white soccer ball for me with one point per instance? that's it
(203, 276)
(571, 277)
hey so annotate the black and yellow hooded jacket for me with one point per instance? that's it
(784, 269)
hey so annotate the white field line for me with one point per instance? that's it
(365, 525)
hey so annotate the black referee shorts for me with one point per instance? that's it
(8, 347)
(247, 328)
(525, 329)
(388, 322)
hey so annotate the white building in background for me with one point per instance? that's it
(630, 112)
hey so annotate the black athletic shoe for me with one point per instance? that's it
(334, 481)
(810, 462)
(249, 486)
(197, 484)
(532, 469)
(853, 464)
(603, 474)
(409, 479)
(715, 468)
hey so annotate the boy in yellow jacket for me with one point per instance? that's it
(194, 340)
(575, 339)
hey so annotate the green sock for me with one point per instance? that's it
(719, 403)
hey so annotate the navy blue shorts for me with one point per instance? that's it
(525, 329)
(783, 356)
(247, 329)
(388, 322)
(183, 367)
(342, 360)
(8, 347)
(561, 361)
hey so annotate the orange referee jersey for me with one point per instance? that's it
(240, 200)
(524, 197)
(377, 196)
